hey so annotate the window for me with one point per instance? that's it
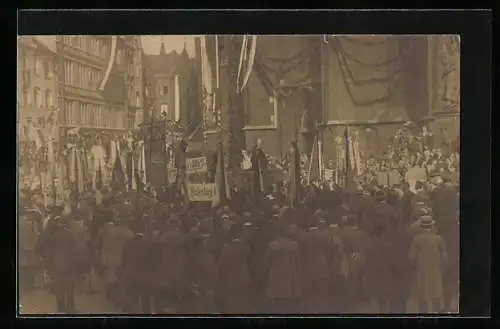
(38, 66)
(164, 110)
(47, 72)
(163, 90)
(137, 99)
(119, 58)
(66, 72)
(49, 101)
(38, 98)
(27, 98)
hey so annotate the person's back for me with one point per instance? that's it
(173, 257)
(378, 271)
(284, 279)
(429, 253)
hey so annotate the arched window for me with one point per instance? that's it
(49, 101)
(137, 99)
(38, 98)
(38, 66)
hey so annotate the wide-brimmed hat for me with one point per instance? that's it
(275, 209)
(426, 222)
(424, 211)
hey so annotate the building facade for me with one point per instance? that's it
(37, 82)
(84, 60)
(172, 91)
(374, 84)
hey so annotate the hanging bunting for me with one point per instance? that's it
(111, 62)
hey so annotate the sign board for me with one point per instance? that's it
(196, 165)
(172, 174)
(394, 177)
(415, 174)
(201, 192)
(329, 174)
(382, 178)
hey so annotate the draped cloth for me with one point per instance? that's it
(99, 165)
(364, 79)
(80, 171)
(72, 164)
(141, 163)
(76, 168)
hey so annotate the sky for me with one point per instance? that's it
(151, 43)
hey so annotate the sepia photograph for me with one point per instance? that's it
(238, 174)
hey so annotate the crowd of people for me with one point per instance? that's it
(374, 249)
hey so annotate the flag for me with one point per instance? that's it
(118, 176)
(219, 179)
(111, 62)
(208, 72)
(247, 59)
(294, 175)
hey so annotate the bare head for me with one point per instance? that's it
(258, 142)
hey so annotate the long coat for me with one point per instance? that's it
(113, 243)
(27, 243)
(234, 271)
(315, 263)
(234, 280)
(429, 252)
(173, 259)
(141, 262)
(379, 267)
(202, 275)
(65, 254)
(283, 259)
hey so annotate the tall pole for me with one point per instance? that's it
(151, 135)
(216, 93)
(347, 169)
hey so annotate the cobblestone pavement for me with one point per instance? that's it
(42, 302)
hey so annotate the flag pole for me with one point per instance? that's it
(346, 140)
(222, 196)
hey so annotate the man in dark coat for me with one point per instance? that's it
(378, 271)
(201, 272)
(259, 166)
(141, 272)
(284, 278)
(316, 270)
(354, 241)
(173, 258)
(67, 256)
(234, 280)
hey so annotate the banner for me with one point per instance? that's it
(172, 174)
(329, 174)
(415, 174)
(196, 165)
(382, 178)
(201, 192)
(394, 177)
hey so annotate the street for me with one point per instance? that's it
(41, 302)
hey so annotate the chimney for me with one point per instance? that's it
(162, 48)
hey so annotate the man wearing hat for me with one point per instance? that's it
(65, 255)
(201, 271)
(354, 240)
(113, 243)
(415, 228)
(27, 257)
(234, 279)
(283, 286)
(316, 269)
(173, 248)
(429, 253)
